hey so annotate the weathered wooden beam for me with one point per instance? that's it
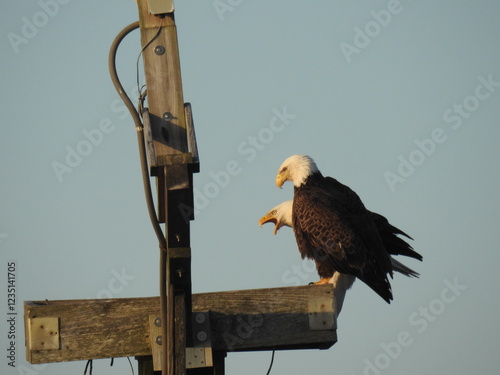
(259, 319)
(164, 84)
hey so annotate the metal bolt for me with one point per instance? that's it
(159, 50)
(159, 340)
(179, 272)
(158, 322)
(202, 336)
(200, 318)
(167, 116)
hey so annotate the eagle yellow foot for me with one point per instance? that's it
(322, 281)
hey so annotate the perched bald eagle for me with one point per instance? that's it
(281, 215)
(333, 227)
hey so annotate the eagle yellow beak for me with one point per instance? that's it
(280, 179)
(270, 218)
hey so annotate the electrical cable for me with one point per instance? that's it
(139, 128)
(271, 364)
(131, 367)
(88, 366)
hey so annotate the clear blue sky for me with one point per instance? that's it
(400, 100)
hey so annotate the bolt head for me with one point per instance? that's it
(159, 340)
(202, 335)
(200, 318)
(159, 50)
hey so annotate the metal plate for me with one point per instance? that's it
(160, 6)
(321, 314)
(43, 333)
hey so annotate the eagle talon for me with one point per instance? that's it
(322, 281)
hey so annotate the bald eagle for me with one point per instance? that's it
(333, 227)
(281, 215)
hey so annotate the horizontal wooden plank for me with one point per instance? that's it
(258, 319)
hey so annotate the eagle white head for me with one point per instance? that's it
(296, 169)
(281, 215)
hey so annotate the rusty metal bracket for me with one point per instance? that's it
(160, 6)
(321, 314)
(43, 334)
(199, 356)
(155, 340)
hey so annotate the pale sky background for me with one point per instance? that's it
(431, 71)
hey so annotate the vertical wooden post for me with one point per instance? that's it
(164, 84)
(171, 166)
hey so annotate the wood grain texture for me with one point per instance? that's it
(258, 319)
(164, 84)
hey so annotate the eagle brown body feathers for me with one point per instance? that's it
(333, 227)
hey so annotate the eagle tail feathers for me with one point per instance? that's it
(401, 268)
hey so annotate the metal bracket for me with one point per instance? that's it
(199, 356)
(321, 314)
(43, 333)
(155, 340)
(160, 6)
(180, 267)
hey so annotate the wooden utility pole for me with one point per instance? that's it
(171, 162)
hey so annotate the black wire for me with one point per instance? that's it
(89, 363)
(129, 362)
(139, 89)
(139, 127)
(131, 367)
(271, 364)
(114, 75)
